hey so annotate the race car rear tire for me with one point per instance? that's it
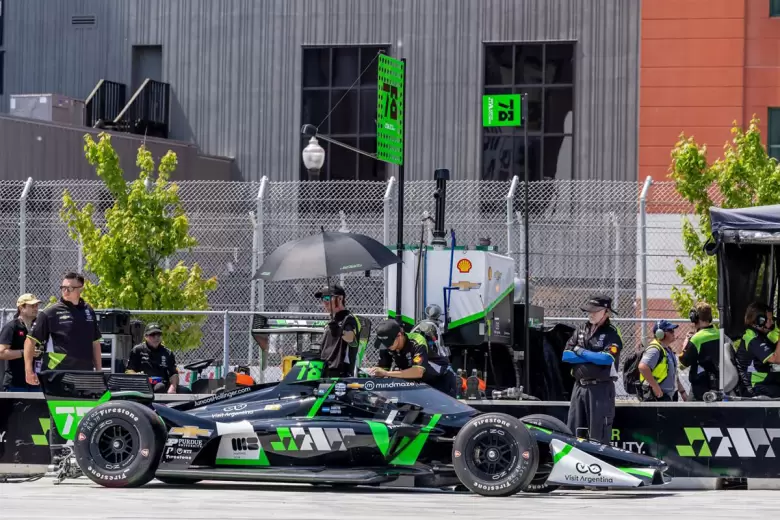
(495, 455)
(119, 444)
(548, 422)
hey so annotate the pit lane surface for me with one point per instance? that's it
(211, 500)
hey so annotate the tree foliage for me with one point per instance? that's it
(745, 176)
(143, 227)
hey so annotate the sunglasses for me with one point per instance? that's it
(68, 288)
(326, 298)
(155, 334)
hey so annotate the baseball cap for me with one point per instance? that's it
(663, 325)
(332, 290)
(152, 328)
(597, 303)
(27, 299)
(386, 332)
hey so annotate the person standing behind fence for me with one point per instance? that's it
(340, 343)
(701, 352)
(594, 351)
(12, 338)
(68, 331)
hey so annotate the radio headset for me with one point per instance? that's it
(659, 333)
(693, 316)
(761, 321)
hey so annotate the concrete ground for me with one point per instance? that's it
(210, 500)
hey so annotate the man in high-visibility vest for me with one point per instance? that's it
(659, 366)
(701, 352)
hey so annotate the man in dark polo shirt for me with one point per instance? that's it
(68, 332)
(156, 361)
(340, 341)
(12, 337)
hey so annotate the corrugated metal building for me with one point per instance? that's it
(245, 74)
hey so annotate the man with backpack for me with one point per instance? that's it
(659, 366)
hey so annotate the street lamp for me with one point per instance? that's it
(313, 157)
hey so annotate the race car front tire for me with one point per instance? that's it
(495, 455)
(554, 424)
(119, 444)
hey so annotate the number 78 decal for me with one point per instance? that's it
(68, 414)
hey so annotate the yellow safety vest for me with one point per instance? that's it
(661, 369)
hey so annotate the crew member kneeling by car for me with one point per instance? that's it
(409, 353)
(156, 361)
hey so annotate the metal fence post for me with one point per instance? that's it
(643, 250)
(510, 216)
(386, 231)
(23, 235)
(256, 286)
(225, 343)
(616, 223)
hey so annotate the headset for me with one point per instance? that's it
(660, 334)
(761, 320)
(693, 316)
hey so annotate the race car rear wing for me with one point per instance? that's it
(93, 386)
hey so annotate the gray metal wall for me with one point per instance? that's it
(235, 68)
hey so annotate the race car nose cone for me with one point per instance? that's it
(492, 454)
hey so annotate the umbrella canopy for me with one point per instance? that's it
(329, 253)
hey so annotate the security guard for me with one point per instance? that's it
(701, 352)
(659, 365)
(763, 353)
(594, 350)
(68, 330)
(410, 354)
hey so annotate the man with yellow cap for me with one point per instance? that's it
(12, 337)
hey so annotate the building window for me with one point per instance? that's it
(2, 69)
(331, 86)
(1, 23)
(773, 139)
(546, 72)
(774, 7)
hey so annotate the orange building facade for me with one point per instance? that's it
(704, 65)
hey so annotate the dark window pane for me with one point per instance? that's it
(1, 31)
(528, 64)
(773, 125)
(343, 162)
(316, 67)
(370, 169)
(498, 65)
(534, 157)
(2, 68)
(534, 108)
(368, 111)
(774, 7)
(368, 55)
(558, 162)
(774, 151)
(497, 149)
(305, 175)
(346, 66)
(498, 90)
(558, 110)
(344, 118)
(559, 63)
(315, 108)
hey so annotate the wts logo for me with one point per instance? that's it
(740, 442)
(312, 439)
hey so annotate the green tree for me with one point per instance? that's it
(144, 226)
(745, 176)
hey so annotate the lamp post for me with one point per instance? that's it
(313, 157)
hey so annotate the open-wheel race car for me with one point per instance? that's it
(310, 429)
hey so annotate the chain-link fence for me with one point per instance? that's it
(584, 238)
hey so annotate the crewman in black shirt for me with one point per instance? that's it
(156, 361)
(409, 353)
(340, 342)
(763, 352)
(12, 337)
(594, 352)
(701, 352)
(68, 331)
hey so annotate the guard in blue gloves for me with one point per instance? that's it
(594, 352)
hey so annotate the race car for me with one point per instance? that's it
(310, 429)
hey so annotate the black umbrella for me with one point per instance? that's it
(327, 254)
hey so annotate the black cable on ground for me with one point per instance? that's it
(20, 479)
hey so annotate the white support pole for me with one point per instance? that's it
(643, 251)
(510, 220)
(256, 286)
(23, 235)
(386, 233)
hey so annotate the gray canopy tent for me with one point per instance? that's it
(744, 241)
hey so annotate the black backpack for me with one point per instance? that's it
(631, 371)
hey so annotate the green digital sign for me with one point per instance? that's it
(390, 110)
(502, 110)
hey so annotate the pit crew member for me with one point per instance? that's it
(700, 352)
(762, 351)
(658, 367)
(157, 361)
(12, 337)
(409, 353)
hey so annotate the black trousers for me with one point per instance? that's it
(593, 407)
(447, 383)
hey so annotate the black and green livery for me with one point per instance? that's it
(309, 429)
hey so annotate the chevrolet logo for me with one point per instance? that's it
(190, 432)
(466, 286)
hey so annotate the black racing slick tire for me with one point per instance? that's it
(495, 455)
(119, 444)
(547, 422)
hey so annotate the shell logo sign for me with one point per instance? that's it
(463, 265)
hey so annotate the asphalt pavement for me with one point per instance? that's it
(211, 500)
